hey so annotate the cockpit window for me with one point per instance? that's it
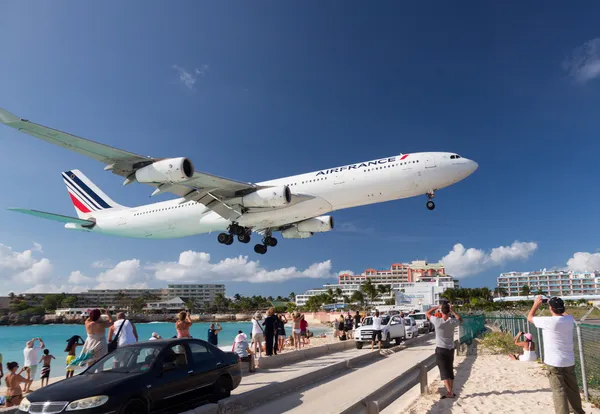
(452, 157)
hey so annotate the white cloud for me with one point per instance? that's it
(126, 274)
(461, 262)
(188, 78)
(102, 264)
(584, 63)
(345, 272)
(23, 266)
(51, 288)
(78, 278)
(196, 267)
(584, 262)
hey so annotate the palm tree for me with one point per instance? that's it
(338, 293)
(357, 296)
(292, 297)
(525, 291)
(370, 290)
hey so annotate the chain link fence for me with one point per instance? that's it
(471, 327)
(586, 340)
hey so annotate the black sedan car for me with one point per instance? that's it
(152, 376)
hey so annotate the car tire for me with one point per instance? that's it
(359, 345)
(135, 406)
(386, 343)
(221, 389)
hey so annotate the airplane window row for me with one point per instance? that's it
(187, 204)
(365, 170)
(309, 181)
(452, 157)
(391, 165)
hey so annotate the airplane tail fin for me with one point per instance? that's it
(85, 195)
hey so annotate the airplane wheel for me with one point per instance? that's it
(271, 241)
(222, 238)
(430, 205)
(229, 240)
(260, 249)
(244, 238)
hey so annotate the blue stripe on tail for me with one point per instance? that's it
(88, 190)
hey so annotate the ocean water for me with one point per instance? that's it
(13, 338)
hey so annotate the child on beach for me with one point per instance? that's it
(72, 344)
(45, 360)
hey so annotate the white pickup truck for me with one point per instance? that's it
(422, 322)
(392, 329)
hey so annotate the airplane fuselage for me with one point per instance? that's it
(354, 185)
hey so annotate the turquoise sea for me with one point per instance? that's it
(13, 338)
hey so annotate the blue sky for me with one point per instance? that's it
(259, 92)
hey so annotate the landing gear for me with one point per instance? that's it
(236, 229)
(244, 237)
(270, 241)
(225, 239)
(260, 248)
(430, 204)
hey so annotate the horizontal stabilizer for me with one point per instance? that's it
(55, 217)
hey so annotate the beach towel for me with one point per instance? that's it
(94, 348)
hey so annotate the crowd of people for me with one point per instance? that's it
(269, 336)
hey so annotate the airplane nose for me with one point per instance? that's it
(474, 166)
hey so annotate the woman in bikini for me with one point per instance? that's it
(14, 379)
(183, 325)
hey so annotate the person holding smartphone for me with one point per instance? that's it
(559, 353)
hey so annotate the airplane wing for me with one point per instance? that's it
(55, 217)
(210, 190)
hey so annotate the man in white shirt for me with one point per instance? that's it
(559, 354)
(126, 334)
(376, 330)
(31, 355)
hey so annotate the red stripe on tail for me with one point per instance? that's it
(78, 204)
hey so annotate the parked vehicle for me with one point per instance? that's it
(145, 377)
(410, 327)
(423, 324)
(392, 329)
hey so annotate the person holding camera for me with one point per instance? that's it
(445, 326)
(528, 347)
(559, 353)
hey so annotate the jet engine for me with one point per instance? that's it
(293, 233)
(268, 197)
(316, 225)
(170, 170)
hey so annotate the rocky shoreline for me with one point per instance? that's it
(15, 319)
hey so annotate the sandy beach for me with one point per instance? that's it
(492, 384)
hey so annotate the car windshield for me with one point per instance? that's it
(369, 320)
(127, 360)
(419, 317)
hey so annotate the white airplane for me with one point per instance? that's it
(295, 206)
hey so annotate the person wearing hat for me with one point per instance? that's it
(528, 347)
(258, 334)
(242, 349)
(559, 354)
(155, 336)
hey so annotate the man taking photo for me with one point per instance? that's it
(444, 343)
(559, 354)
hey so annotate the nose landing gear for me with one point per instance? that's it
(430, 204)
